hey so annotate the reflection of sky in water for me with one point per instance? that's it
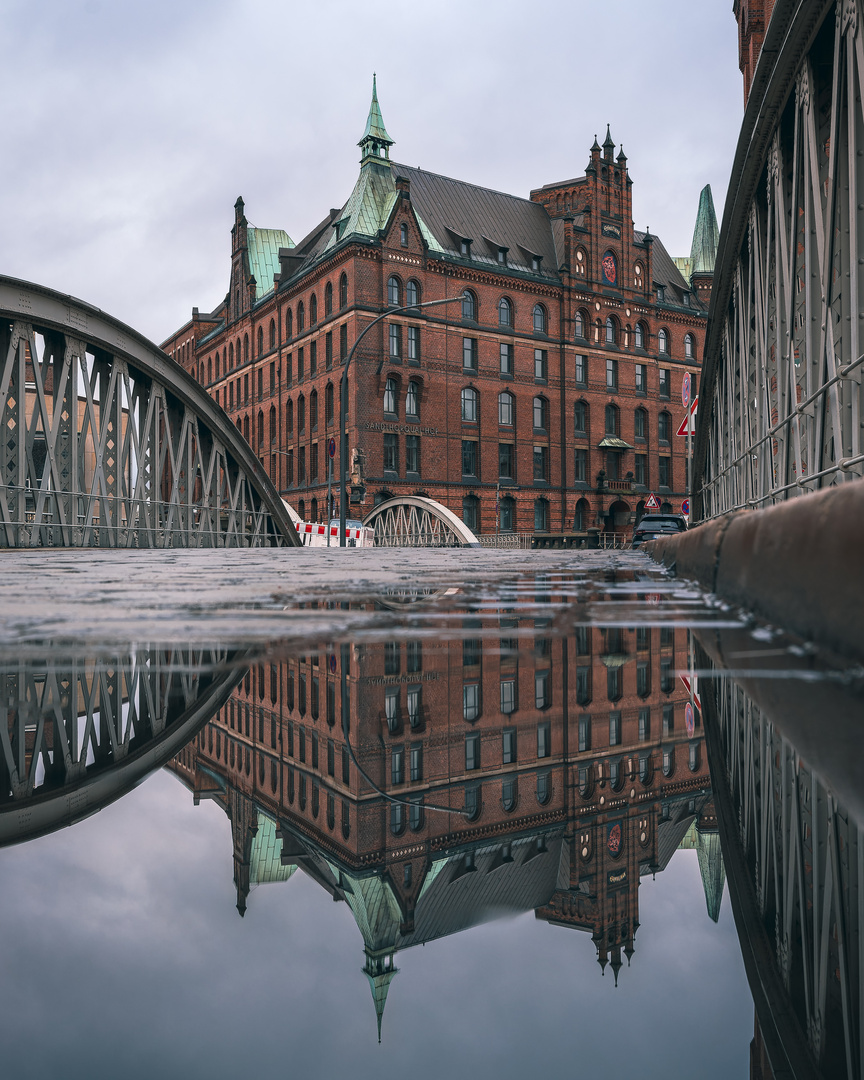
(129, 917)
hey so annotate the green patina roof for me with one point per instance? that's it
(706, 235)
(263, 254)
(611, 442)
(375, 122)
(711, 869)
(264, 859)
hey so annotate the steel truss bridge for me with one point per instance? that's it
(794, 860)
(783, 380)
(106, 442)
(83, 731)
(415, 521)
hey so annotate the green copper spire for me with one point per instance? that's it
(379, 970)
(712, 871)
(703, 253)
(375, 141)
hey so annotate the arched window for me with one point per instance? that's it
(209, 369)
(313, 411)
(541, 515)
(239, 352)
(272, 333)
(289, 324)
(663, 342)
(471, 512)
(260, 428)
(580, 516)
(664, 427)
(541, 414)
(469, 305)
(328, 404)
(611, 331)
(581, 262)
(289, 417)
(245, 348)
(343, 291)
(313, 309)
(313, 513)
(397, 818)
(506, 408)
(469, 404)
(260, 340)
(403, 234)
(507, 514)
(393, 291)
(639, 335)
(412, 401)
(301, 318)
(390, 397)
(505, 312)
(301, 414)
(272, 424)
(328, 299)
(640, 424)
(246, 427)
(544, 788)
(540, 320)
(611, 419)
(580, 418)
(580, 324)
(412, 293)
(508, 793)
(689, 347)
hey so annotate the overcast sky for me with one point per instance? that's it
(130, 128)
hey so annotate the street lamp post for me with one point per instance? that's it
(343, 405)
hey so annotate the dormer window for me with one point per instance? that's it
(535, 262)
(661, 294)
(465, 248)
(502, 256)
(685, 299)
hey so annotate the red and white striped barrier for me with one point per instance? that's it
(315, 535)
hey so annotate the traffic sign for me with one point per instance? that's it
(331, 448)
(685, 507)
(682, 427)
(651, 502)
(332, 663)
(685, 390)
(689, 719)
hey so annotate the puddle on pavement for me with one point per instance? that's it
(559, 780)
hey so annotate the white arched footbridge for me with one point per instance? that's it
(416, 521)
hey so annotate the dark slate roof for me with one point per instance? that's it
(453, 209)
(666, 272)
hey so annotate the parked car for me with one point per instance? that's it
(651, 526)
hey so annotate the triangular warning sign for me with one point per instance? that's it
(651, 502)
(682, 427)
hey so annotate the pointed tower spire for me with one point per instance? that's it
(608, 145)
(711, 870)
(379, 970)
(375, 141)
(706, 235)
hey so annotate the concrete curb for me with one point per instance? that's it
(799, 565)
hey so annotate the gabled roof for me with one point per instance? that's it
(263, 253)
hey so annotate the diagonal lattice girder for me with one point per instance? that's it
(415, 521)
(107, 442)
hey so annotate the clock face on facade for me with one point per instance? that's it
(610, 268)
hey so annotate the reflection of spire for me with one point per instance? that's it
(379, 970)
(615, 962)
(712, 870)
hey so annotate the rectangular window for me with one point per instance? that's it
(667, 636)
(611, 374)
(313, 358)
(663, 427)
(343, 342)
(668, 719)
(643, 678)
(664, 472)
(414, 656)
(666, 680)
(643, 638)
(395, 341)
(541, 462)
(540, 364)
(508, 696)
(542, 690)
(641, 379)
(580, 467)
(641, 474)
(615, 729)
(470, 701)
(301, 364)
(412, 453)
(391, 453)
(416, 762)
(328, 350)
(582, 636)
(508, 746)
(414, 344)
(581, 369)
(544, 740)
(506, 358)
(414, 706)
(397, 765)
(644, 725)
(613, 683)
(665, 383)
(391, 658)
(472, 752)
(469, 353)
(391, 708)
(506, 461)
(584, 733)
(469, 457)
(583, 685)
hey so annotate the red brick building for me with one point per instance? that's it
(567, 764)
(544, 399)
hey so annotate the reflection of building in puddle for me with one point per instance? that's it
(81, 731)
(508, 771)
(792, 850)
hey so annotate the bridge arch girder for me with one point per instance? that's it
(106, 441)
(417, 521)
